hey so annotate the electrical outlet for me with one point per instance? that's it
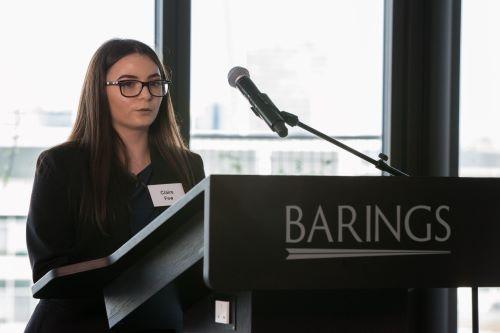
(222, 309)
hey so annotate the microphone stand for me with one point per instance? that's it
(381, 164)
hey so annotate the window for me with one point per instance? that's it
(22, 300)
(322, 62)
(479, 90)
(3, 237)
(3, 303)
(43, 66)
(479, 134)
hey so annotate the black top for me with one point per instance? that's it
(55, 236)
(141, 203)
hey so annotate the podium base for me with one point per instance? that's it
(347, 311)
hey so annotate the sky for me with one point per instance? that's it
(48, 44)
(480, 74)
(322, 62)
(51, 43)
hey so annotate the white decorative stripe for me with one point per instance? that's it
(297, 253)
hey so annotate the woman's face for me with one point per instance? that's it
(133, 113)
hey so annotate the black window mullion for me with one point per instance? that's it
(173, 42)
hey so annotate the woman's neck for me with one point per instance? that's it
(137, 146)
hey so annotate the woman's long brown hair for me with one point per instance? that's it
(94, 133)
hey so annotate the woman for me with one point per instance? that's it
(90, 194)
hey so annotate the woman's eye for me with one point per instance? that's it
(127, 84)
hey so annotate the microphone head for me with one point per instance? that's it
(235, 73)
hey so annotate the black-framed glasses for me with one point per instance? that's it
(133, 88)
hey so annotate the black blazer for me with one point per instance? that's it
(55, 237)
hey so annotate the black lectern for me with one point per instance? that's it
(295, 254)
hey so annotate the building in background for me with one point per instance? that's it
(24, 134)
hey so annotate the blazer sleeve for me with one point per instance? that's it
(50, 235)
(198, 169)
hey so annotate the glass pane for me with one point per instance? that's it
(3, 237)
(321, 61)
(479, 135)
(4, 303)
(43, 70)
(464, 303)
(22, 300)
(479, 87)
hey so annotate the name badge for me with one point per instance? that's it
(165, 194)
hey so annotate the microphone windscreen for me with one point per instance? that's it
(235, 73)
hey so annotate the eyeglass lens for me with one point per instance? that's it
(134, 88)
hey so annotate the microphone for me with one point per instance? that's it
(262, 105)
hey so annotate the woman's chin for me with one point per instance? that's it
(135, 126)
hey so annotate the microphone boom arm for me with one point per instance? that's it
(380, 164)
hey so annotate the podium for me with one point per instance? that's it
(295, 254)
